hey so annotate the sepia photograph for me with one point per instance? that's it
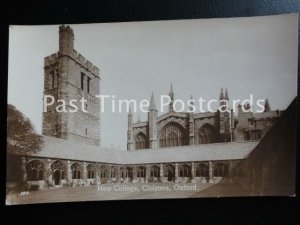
(193, 108)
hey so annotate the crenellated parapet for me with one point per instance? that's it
(85, 63)
(65, 28)
(54, 58)
(50, 60)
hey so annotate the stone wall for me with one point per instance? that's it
(83, 126)
(270, 169)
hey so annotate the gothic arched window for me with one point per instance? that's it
(172, 135)
(59, 168)
(221, 170)
(123, 172)
(129, 172)
(154, 171)
(35, 170)
(102, 171)
(141, 172)
(126, 172)
(202, 170)
(90, 171)
(76, 171)
(185, 171)
(207, 134)
(252, 135)
(140, 141)
(112, 172)
(170, 172)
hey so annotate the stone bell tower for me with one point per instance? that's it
(69, 76)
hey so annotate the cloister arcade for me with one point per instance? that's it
(45, 173)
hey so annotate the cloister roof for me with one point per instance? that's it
(64, 149)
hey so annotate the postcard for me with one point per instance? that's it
(152, 110)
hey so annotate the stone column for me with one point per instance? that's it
(134, 174)
(24, 174)
(97, 175)
(148, 173)
(161, 172)
(107, 174)
(230, 171)
(69, 172)
(85, 177)
(118, 175)
(210, 169)
(193, 172)
(176, 172)
(48, 172)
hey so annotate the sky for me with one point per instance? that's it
(256, 55)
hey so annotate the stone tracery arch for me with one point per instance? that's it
(112, 172)
(170, 172)
(126, 172)
(207, 134)
(185, 170)
(77, 171)
(35, 170)
(90, 169)
(202, 170)
(141, 141)
(171, 135)
(59, 171)
(141, 172)
(154, 171)
(221, 169)
(102, 171)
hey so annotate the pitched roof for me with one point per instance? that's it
(64, 149)
(266, 114)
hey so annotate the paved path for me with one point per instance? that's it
(108, 192)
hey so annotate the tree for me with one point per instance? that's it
(21, 137)
(22, 140)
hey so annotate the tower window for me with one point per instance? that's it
(88, 84)
(85, 131)
(56, 130)
(86, 106)
(82, 81)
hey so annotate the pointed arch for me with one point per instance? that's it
(185, 170)
(170, 172)
(172, 134)
(141, 172)
(126, 172)
(112, 172)
(221, 169)
(59, 171)
(102, 171)
(154, 171)
(123, 172)
(90, 169)
(77, 171)
(202, 170)
(140, 141)
(207, 134)
(35, 170)
(254, 134)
